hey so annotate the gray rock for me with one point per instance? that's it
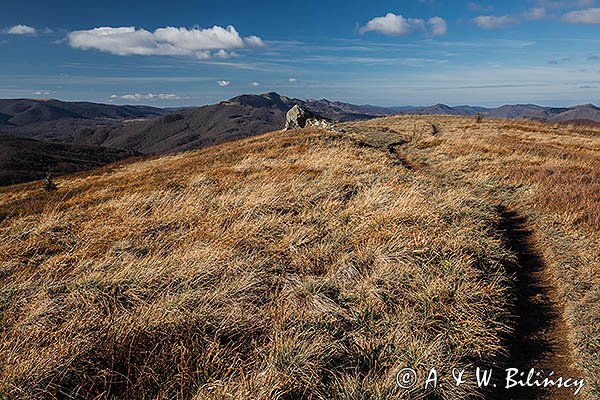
(299, 118)
(319, 123)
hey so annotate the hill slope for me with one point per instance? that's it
(288, 265)
(199, 127)
(583, 113)
(23, 160)
(145, 129)
(587, 112)
(545, 182)
(306, 264)
(22, 112)
(195, 128)
(141, 129)
(190, 128)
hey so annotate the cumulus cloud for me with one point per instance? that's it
(148, 96)
(41, 92)
(293, 80)
(491, 21)
(254, 84)
(438, 26)
(170, 41)
(396, 25)
(223, 83)
(588, 16)
(225, 54)
(392, 24)
(21, 30)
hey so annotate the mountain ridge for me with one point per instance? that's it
(28, 112)
(19, 112)
(149, 130)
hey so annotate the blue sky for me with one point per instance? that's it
(379, 52)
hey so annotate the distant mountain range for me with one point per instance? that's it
(581, 113)
(21, 112)
(151, 130)
(116, 132)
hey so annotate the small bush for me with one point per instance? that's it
(49, 184)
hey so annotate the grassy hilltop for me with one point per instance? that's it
(307, 264)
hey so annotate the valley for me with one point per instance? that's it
(137, 130)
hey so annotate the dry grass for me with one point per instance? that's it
(292, 265)
(551, 174)
(304, 264)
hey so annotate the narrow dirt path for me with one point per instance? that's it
(393, 152)
(539, 340)
(540, 337)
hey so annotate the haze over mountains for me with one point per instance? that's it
(586, 112)
(115, 132)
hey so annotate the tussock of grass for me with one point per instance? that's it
(551, 173)
(291, 265)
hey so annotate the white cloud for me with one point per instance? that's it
(225, 54)
(535, 14)
(223, 83)
(114, 96)
(148, 96)
(438, 26)
(21, 30)
(196, 42)
(491, 22)
(392, 24)
(254, 41)
(168, 96)
(41, 92)
(293, 80)
(254, 84)
(588, 16)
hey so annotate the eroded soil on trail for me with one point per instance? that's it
(539, 339)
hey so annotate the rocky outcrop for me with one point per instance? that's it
(296, 118)
(299, 118)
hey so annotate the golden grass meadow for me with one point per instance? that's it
(307, 264)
